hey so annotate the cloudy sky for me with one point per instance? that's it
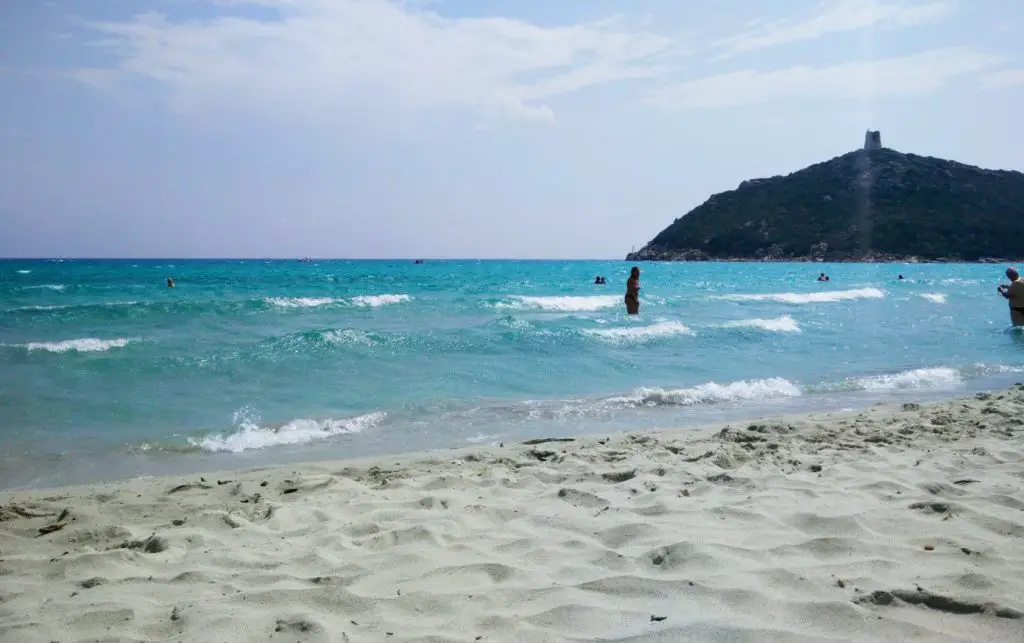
(463, 128)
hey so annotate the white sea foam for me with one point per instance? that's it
(251, 435)
(24, 308)
(84, 345)
(989, 369)
(784, 324)
(569, 304)
(639, 334)
(24, 272)
(300, 302)
(373, 301)
(349, 337)
(936, 297)
(57, 287)
(109, 304)
(712, 393)
(918, 378)
(810, 297)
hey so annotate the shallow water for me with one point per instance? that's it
(106, 373)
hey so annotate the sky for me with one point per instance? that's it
(463, 128)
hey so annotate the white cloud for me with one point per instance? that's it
(907, 75)
(833, 17)
(320, 55)
(1004, 78)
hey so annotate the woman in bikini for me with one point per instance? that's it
(633, 292)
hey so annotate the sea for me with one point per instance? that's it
(106, 373)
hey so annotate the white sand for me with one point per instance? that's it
(887, 525)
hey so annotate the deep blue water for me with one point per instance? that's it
(105, 372)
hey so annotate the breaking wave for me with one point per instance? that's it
(84, 345)
(250, 434)
(57, 287)
(784, 324)
(938, 378)
(810, 297)
(935, 297)
(568, 304)
(362, 301)
(300, 302)
(712, 393)
(922, 379)
(639, 334)
(374, 301)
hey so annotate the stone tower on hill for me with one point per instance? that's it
(873, 140)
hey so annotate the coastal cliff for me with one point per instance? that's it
(873, 204)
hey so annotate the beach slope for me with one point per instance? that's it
(891, 524)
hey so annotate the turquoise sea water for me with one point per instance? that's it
(107, 373)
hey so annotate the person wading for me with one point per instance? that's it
(1014, 293)
(633, 292)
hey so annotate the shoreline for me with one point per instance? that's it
(888, 523)
(125, 462)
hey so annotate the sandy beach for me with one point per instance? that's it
(891, 524)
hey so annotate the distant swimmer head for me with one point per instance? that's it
(170, 283)
(900, 277)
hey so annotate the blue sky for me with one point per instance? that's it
(469, 128)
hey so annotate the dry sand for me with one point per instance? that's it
(902, 524)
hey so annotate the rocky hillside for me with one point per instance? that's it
(868, 205)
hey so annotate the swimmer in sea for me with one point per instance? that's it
(1014, 293)
(170, 283)
(633, 292)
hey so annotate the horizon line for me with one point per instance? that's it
(71, 258)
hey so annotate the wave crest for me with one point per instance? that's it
(361, 301)
(349, 337)
(374, 301)
(713, 393)
(300, 302)
(251, 435)
(83, 345)
(639, 334)
(810, 297)
(784, 324)
(935, 297)
(566, 303)
(919, 378)
(57, 287)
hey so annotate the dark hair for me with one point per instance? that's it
(634, 271)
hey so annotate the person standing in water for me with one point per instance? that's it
(1014, 293)
(633, 292)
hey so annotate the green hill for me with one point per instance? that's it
(868, 205)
